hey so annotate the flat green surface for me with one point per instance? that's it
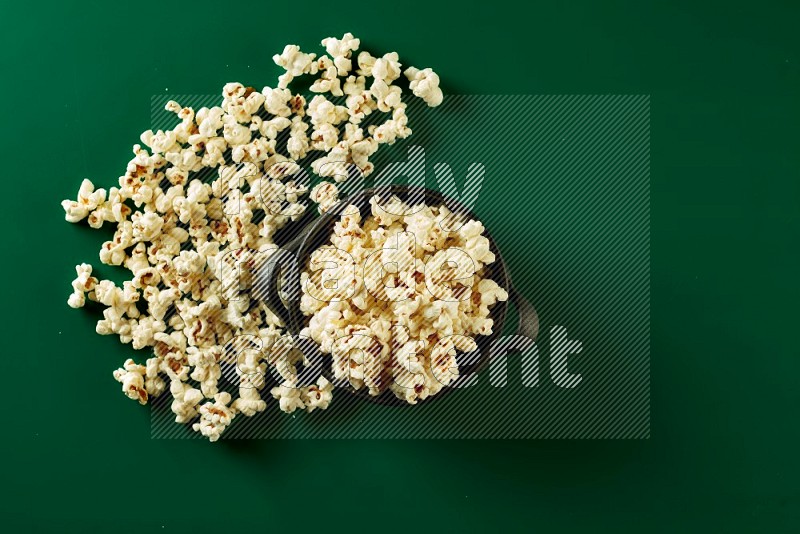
(724, 80)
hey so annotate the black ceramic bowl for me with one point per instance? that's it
(317, 234)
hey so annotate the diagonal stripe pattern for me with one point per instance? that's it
(565, 193)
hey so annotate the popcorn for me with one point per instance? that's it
(341, 50)
(88, 200)
(273, 127)
(387, 97)
(329, 81)
(387, 68)
(153, 383)
(324, 137)
(249, 402)
(209, 121)
(131, 376)
(323, 111)
(425, 84)
(146, 226)
(185, 401)
(74, 210)
(189, 246)
(393, 129)
(295, 63)
(397, 330)
(365, 63)
(235, 133)
(326, 195)
(215, 417)
(289, 397)
(276, 101)
(83, 284)
(76, 300)
(318, 396)
(144, 330)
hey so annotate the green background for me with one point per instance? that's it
(725, 124)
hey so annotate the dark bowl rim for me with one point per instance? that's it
(498, 267)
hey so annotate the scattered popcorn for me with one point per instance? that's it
(183, 238)
(398, 329)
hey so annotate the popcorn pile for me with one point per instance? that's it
(182, 239)
(396, 294)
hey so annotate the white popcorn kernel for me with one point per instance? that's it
(83, 284)
(289, 397)
(89, 197)
(425, 85)
(298, 143)
(393, 129)
(326, 195)
(205, 360)
(294, 62)
(147, 226)
(185, 401)
(160, 142)
(215, 417)
(328, 81)
(76, 299)
(491, 293)
(354, 85)
(341, 50)
(318, 396)
(324, 137)
(131, 376)
(88, 200)
(273, 127)
(112, 254)
(153, 383)
(209, 121)
(235, 133)
(387, 68)
(142, 332)
(276, 101)
(387, 97)
(365, 64)
(323, 111)
(232, 90)
(172, 106)
(74, 211)
(249, 402)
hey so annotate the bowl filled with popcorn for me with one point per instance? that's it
(402, 293)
